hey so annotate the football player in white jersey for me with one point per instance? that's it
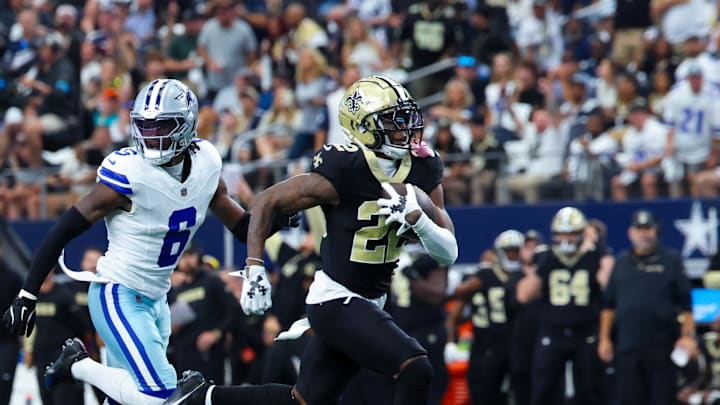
(153, 197)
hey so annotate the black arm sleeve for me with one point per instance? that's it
(71, 224)
(240, 230)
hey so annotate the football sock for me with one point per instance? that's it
(413, 383)
(116, 383)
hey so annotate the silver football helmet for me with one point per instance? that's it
(509, 241)
(164, 120)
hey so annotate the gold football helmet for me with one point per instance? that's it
(373, 108)
(567, 227)
(509, 242)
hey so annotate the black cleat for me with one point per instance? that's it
(59, 371)
(191, 388)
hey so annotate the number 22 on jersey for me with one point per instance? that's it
(377, 243)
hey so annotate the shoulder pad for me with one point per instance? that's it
(334, 155)
(117, 168)
(209, 149)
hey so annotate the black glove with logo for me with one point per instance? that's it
(20, 317)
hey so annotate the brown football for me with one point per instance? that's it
(423, 200)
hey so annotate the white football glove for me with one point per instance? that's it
(452, 353)
(256, 291)
(397, 206)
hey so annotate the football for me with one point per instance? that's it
(423, 200)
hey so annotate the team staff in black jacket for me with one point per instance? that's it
(58, 317)
(198, 343)
(647, 291)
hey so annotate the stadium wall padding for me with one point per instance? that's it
(690, 226)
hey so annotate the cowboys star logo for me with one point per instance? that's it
(352, 102)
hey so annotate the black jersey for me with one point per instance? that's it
(409, 310)
(492, 306)
(359, 250)
(571, 293)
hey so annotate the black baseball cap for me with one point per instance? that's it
(643, 218)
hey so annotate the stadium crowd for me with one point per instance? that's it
(542, 100)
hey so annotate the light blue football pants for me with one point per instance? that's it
(136, 332)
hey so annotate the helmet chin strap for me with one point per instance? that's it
(393, 152)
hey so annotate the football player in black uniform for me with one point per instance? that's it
(490, 293)
(566, 281)
(419, 290)
(359, 252)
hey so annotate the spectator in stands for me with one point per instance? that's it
(546, 150)
(695, 49)
(456, 109)
(53, 100)
(181, 54)
(302, 32)
(539, 36)
(631, 19)
(229, 96)
(334, 134)
(22, 50)
(154, 65)
(430, 30)
(278, 125)
(646, 324)
(628, 93)
(376, 16)
(363, 50)
(526, 80)
(485, 162)
(467, 71)
(679, 19)
(605, 90)
(66, 24)
(140, 21)
(455, 182)
(108, 115)
(506, 114)
(90, 69)
(250, 112)
(311, 86)
(591, 159)
(693, 115)
(226, 44)
(642, 151)
(658, 98)
(659, 55)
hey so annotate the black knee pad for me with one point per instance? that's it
(418, 371)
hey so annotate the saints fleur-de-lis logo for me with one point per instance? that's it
(352, 102)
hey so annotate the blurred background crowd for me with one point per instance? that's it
(526, 100)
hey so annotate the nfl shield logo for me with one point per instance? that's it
(183, 192)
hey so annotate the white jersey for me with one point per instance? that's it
(710, 67)
(695, 119)
(144, 245)
(641, 145)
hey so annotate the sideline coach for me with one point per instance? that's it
(647, 290)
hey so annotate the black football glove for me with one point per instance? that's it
(20, 317)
